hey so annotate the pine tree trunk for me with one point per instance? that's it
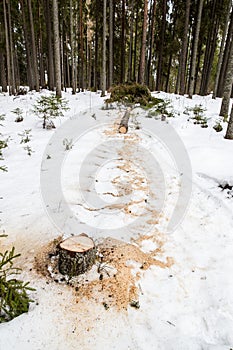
(111, 57)
(57, 57)
(73, 80)
(228, 81)
(122, 76)
(33, 47)
(130, 57)
(151, 38)
(81, 54)
(161, 49)
(50, 46)
(135, 43)
(221, 52)
(184, 49)
(104, 49)
(225, 58)
(210, 47)
(195, 47)
(229, 133)
(142, 64)
(3, 81)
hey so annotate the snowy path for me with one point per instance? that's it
(188, 306)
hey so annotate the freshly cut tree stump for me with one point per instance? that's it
(76, 254)
(123, 127)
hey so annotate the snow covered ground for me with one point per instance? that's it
(159, 183)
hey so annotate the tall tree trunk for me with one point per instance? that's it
(220, 57)
(3, 81)
(225, 58)
(57, 57)
(30, 72)
(122, 77)
(135, 42)
(104, 49)
(33, 47)
(184, 49)
(81, 51)
(111, 57)
(151, 38)
(130, 58)
(229, 132)
(228, 83)
(161, 48)
(195, 47)
(50, 46)
(210, 47)
(142, 64)
(72, 44)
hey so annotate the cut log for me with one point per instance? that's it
(77, 254)
(123, 127)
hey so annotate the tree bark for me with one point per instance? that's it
(57, 49)
(33, 47)
(76, 254)
(111, 59)
(229, 133)
(104, 49)
(123, 127)
(221, 52)
(228, 84)
(152, 36)
(195, 47)
(184, 50)
(142, 64)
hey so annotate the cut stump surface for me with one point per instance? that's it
(77, 254)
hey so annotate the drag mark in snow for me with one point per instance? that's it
(134, 182)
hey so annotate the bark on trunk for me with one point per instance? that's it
(77, 254)
(142, 64)
(57, 49)
(123, 127)
(229, 133)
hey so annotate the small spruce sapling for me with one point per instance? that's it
(14, 298)
(3, 144)
(48, 107)
(19, 114)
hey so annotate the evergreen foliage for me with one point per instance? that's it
(48, 107)
(14, 298)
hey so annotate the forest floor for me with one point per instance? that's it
(158, 201)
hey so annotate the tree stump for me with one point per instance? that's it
(123, 127)
(76, 254)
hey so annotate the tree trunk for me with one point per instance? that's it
(57, 57)
(209, 51)
(228, 84)
(104, 49)
(33, 48)
(142, 64)
(221, 52)
(123, 127)
(3, 81)
(195, 47)
(130, 58)
(111, 59)
(152, 36)
(122, 77)
(229, 133)
(76, 254)
(73, 80)
(161, 48)
(81, 51)
(48, 15)
(184, 49)
(225, 58)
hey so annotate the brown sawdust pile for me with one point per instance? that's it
(114, 280)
